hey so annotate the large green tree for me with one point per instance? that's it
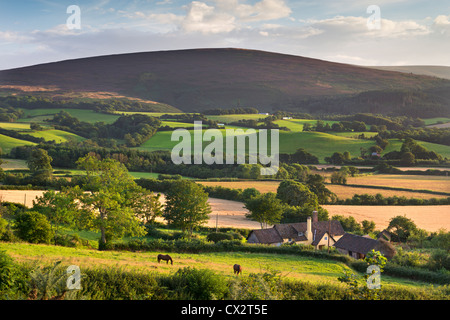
(401, 228)
(59, 207)
(39, 163)
(186, 206)
(294, 193)
(110, 201)
(266, 209)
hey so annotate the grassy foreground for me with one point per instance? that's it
(292, 267)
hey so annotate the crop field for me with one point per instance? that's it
(342, 191)
(434, 183)
(429, 218)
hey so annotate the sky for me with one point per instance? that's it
(371, 33)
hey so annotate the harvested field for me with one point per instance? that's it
(434, 183)
(261, 186)
(346, 192)
(232, 213)
(20, 196)
(430, 218)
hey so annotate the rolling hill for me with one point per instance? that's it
(200, 79)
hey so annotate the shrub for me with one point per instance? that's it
(219, 236)
(13, 280)
(197, 284)
(118, 284)
(439, 259)
(33, 227)
(257, 286)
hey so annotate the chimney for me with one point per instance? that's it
(315, 217)
(309, 234)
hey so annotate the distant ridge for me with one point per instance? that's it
(200, 79)
(432, 71)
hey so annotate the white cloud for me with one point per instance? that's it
(205, 19)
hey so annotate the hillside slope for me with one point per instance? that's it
(195, 80)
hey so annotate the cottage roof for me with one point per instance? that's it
(270, 235)
(318, 236)
(287, 231)
(355, 243)
(334, 226)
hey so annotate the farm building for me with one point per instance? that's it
(358, 246)
(313, 232)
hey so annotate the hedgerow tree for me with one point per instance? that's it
(294, 193)
(59, 207)
(112, 202)
(266, 209)
(186, 206)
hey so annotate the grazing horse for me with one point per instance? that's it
(165, 257)
(237, 269)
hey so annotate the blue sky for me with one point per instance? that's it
(413, 32)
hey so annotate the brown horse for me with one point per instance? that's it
(165, 257)
(237, 269)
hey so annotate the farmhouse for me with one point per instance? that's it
(313, 232)
(358, 246)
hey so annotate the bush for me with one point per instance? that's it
(118, 284)
(219, 236)
(33, 227)
(439, 259)
(6, 233)
(197, 284)
(265, 286)
(13, 280)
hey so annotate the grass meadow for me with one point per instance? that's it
(314, 270)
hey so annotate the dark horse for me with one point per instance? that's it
(165, 257)
(237, 269)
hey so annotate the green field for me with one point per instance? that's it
(39, 115)
(58, 136)
(432, 121)
(151, 114)
(7, 143)
(319, 144)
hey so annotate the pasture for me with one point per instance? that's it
(58, 136)
(39, 115)
(7, 143)
(294, 267)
